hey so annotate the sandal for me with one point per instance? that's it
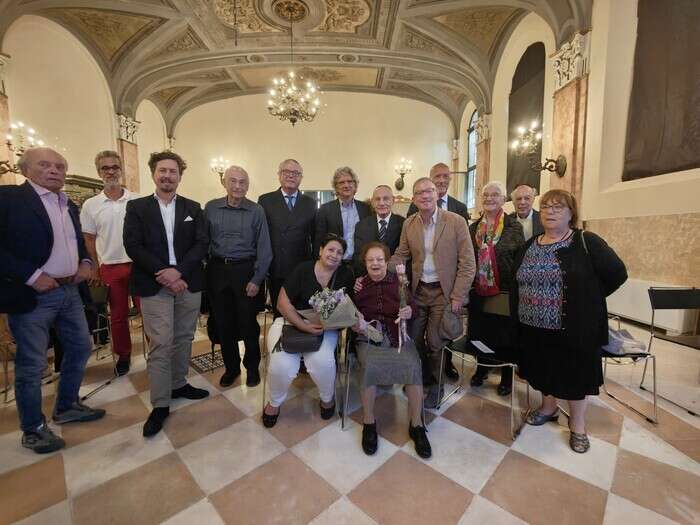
(579, 442)
(537, 418)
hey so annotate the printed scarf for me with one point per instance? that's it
(487, 236)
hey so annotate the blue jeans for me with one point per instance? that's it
(63, 309)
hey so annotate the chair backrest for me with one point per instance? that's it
(99, 294)
(674, 298)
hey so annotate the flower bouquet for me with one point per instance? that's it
(403, 302)
(332, 309)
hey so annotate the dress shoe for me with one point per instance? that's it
(122, 366)
(369, 438)
(229, 378)
(270, 420)
(154, 423)
(189, 392)
(252, 378)
(420, 441)
(504, 389)
(327, 413)
(479, 376)
(450, 371)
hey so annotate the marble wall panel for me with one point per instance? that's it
(663, 248)
(483, 156)
(7, 178)
(130, 159)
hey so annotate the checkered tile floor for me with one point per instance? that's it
(216, 463)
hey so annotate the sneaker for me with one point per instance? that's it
(122, 367)
(42, 440)
(155, 421)
(420, 441)
(78, 413)
(369, 438)
(252, 378)
(434, 396)
(189, 392)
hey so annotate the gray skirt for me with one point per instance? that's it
(385, 365)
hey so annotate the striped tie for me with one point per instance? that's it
(382, 230)
(290, 201)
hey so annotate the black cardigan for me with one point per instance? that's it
(588, 278)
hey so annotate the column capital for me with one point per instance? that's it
(128, 127)
(571, 60)
(171, 143)
(4, 62)
(483, 127)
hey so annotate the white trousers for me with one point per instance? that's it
(284, 367)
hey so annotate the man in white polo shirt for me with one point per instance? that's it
(102, 220)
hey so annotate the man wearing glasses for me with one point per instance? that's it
(290, 220)
(102, 220)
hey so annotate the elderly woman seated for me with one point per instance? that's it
(383, 363)
(305, 280)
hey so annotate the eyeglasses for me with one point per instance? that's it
(291, 173)
(429, 191)
(554, 208)
(110, 168)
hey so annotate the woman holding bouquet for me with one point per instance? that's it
(305, 280)
(387, 358)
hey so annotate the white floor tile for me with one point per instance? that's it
(249, 400)
(201, 512)
(343, 512)
(619, 511)
(196, 381)
(58, 514)
(13, 455)
(482, 512)
(119, 388)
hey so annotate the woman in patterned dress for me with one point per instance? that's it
(562, 278)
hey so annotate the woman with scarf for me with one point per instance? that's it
(496, 237)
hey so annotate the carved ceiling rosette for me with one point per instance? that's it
(344, 16)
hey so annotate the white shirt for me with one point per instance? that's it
(167, 212)
(104, 218)
(526, 224)
(429, 274)
(387, 219)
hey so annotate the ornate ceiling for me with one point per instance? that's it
(183, 53)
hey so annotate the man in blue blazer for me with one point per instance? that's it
(42, 261)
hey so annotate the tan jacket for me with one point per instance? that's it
(453, 253)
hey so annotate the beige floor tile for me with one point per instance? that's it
(299, 418)
(13, 455)
(9, 420)
(99, 372)
(120, 414)
(343, 471)
(119, 388)
(31, 489)
(201, 419)
(539, 494)
(202, 512)
(464, 456)
(58, 514)
(342, 512)
(604, 423)
(405, 491)
(483, 512)
(214, 377)
(154, 492)
(100, 460)
(668, 490)
(226, 455)
(250, 400)
(284, 490)
(483, 416)
(195, 380)
(620, 510)
(139, 380)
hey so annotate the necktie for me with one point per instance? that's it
(290, 201)
(382, 230)
(441, 203)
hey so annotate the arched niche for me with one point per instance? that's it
(54, 85)
(151, 137)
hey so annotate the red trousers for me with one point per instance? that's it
(117, 277)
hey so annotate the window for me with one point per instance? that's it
(470, 181)
(320, 196)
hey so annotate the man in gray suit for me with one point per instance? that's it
(523, 197)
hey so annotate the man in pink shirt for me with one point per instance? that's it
(42, 261)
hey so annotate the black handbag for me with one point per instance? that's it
(294, 341)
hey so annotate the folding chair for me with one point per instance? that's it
(672, 298)
(100, 300)
(626, 359)
(465, 350)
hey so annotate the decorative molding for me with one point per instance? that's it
(571, 61)
(344, 16)
(245, 19)
(4, 62)
(128, 127)
(481, 26)
(171, 143)
(188, 41)
(483, 127)
(169, 95)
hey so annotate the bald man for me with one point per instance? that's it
(42, 260)
(442, 177)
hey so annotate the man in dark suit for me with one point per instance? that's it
(290, 220)
(523, 197)
(165, 235)
(340, 216)
(42, 260)
(383, 226)
(441, 177)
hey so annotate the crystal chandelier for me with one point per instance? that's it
(21, 138)
(291, 97)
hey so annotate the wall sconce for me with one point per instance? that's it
(403, 168)
(218, 166)
(527, 144)
(18, 141)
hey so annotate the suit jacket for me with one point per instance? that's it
(453, 205)
(452, 251)
(291, 232)
(367, 230)
(26, 240)
(537, 228)
(146, 243)
(329, 220)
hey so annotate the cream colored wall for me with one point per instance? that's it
(604, 195)
(368, 132)
(151, 137)
(54, 85)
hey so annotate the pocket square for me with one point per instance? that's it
(188, 218)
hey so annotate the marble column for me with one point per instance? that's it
(7, 178)
(483, 155)
(128, 149)
(571, 66)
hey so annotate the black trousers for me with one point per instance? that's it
(276, 284)
(235, 313)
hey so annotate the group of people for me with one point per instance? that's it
(535, 287)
